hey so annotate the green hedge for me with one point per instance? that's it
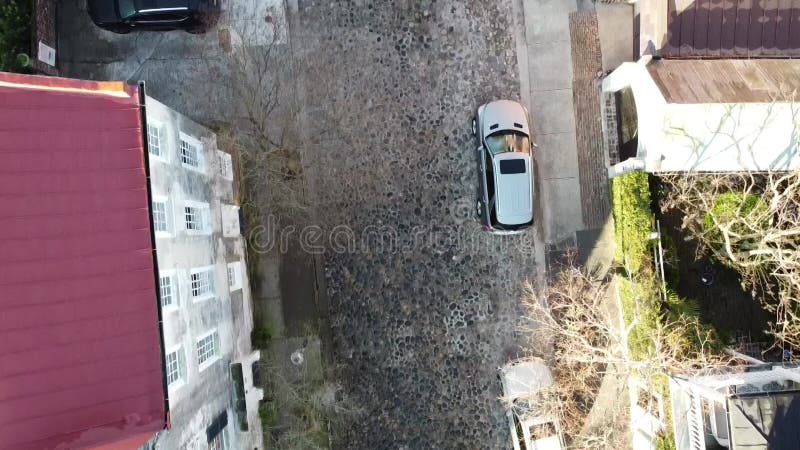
(630, 197)
(15, 32)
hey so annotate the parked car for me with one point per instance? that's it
(505, 167)
(124, 16)
(523, 385)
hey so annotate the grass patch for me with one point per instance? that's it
(630, 197)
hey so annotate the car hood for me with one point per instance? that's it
(507, 115)
(514, 190)
(102, 11)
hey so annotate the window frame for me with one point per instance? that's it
(163, 140)
(236, 267)
(199, 155)
(175, 301)
(168, 218)
(214, 357)
(212, 282)
(224, 165)
(204, 217)
(180, 362)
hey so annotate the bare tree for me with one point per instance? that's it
(580, 318)
(750, 222)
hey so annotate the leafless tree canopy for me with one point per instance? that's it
(580, 318)
(751, 222)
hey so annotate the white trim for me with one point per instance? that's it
(236, 267)
(224, 165)
(211, 270)
(199, 152)
(204, 211)
(182, 369)
(175, 291)
(168, 216)
(217, 350)
(230, 221)
(164, 147)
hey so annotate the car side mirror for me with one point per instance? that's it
(534, 145)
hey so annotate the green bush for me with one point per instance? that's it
(726, 209)
(730, 205)
(630, 197)
(15, 32)
(671, 263)
(679, 306)
(639, 298)
(261, 337)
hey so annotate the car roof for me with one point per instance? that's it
(524, 377)
(513, 190)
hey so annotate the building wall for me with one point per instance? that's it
(205, 390)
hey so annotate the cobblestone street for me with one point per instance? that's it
(420, 325)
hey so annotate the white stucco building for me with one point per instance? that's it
(664, 115)
(203, 287)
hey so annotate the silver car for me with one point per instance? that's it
(505, 165)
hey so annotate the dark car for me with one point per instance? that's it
(124, 16)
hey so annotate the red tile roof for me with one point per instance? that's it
(80, 357)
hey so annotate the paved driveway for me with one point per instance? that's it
(424, 305)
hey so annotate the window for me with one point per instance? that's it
(194, 218)
(216, 432)
(176, 367)
(217, 443)
(202, 283)
(234, 276)
(512, 166)
(197, 217)
(207, 349)
(157, 139)
(161, 220)
(225, 164)
(168, 289)
(191, 153)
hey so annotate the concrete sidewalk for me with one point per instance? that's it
(546, 80)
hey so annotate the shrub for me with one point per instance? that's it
(261, 337)
(729, 209)
(639, 301)
(671, 264)
(15, 32)
(630, 196)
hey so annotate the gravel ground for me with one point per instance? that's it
(423, 308)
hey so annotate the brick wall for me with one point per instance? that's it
(592, 160)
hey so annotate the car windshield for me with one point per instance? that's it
(127, 8)
(507, 141)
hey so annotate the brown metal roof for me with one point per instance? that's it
(725, 81)
(732, 28)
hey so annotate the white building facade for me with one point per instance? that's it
(206, 309)
(702, 116)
